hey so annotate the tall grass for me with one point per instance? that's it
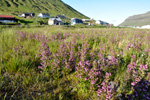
(69, 63)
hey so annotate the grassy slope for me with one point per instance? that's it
(53, 7)
(137, 20)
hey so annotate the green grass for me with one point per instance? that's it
(20, 77)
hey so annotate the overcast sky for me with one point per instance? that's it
(112, 11)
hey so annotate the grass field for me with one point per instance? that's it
(60, 63)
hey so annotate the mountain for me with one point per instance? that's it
(53, 7)
(137, 20)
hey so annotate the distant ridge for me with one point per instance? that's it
(53, 7)
(137, 20)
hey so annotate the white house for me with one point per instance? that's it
(101, 22)
(43, 15)
(143, 27)
(76, 21)
(25, 15)
(146, 27)
(55, 21)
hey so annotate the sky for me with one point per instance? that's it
(111, 11)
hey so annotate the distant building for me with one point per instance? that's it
(143, 27)
(86, 20)
(101, 22)
(55, 21)
(146, 27)
(7, 19)
(76, 21)
(43, 15)
(26, 15)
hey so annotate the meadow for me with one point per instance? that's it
(61, 63)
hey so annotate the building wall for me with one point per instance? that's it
(23, 15)
(97, 22)
(50, 22)
(40, 15)
(54, 22)
(76, 21)
(7, 21)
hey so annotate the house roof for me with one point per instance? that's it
(85, 20)
(75, 19)
(6, 16)
(58, 19)
(102, 22)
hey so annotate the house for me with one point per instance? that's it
(61, 16)
(146, 27)
(76, 21)
(86, 20)
(43, 15)
(101, 22)
(26, 15)
(55, 21)
(7, 19)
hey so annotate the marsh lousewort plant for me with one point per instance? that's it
(69, 64)
(45, 54)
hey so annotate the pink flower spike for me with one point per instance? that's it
(40, 71)
(40, 67)
(133, 83)
(85, 79)
(132, 56)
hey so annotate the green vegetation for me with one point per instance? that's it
(68, 63)
(53, 7)
(137, 20)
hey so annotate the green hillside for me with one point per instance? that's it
(137, 20)
(53, 7)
